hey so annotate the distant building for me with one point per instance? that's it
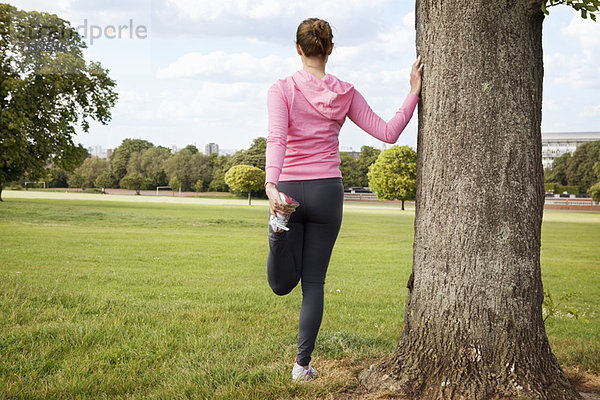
(555, 144)
(211, 148)
(352, 153)
(174, 149)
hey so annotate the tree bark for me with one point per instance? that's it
(473, 325)
(249, 200)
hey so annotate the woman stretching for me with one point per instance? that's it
(303, 180)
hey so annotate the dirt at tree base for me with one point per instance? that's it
(587, 384)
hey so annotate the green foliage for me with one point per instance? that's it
(550, 187)
(47, 90)
(119, 159)
(254, 155)
(350, 170)
(88, 172)
(580, 168)
(220, 166)
(135, 181)
(151, 164)
(570, 189)
(558, 172)
(585, 7)
(393, 175)
(552, 308)
(189, 168)
(105, 180)
(175, 184)
(594, 191)
(76, 180)
(244, 179)
(368, 155)
(57, 177)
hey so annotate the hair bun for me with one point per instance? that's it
(314, 37)
(320, 29)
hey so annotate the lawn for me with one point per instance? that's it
(151, 300)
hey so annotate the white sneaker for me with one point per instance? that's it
(279, 223)
(300, 374)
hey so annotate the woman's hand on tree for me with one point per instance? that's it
(415, 77)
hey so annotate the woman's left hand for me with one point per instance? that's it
(415, 77)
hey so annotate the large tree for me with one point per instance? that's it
(473, 324)
(393, 175)
(46, 91)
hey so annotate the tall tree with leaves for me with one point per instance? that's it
(367, 157)
(473, 325)
(120, 156)
(47, 90)
(393, 175)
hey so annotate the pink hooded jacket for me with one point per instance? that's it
(305, 117)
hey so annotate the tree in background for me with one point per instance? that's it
(150, 163)
(557, 173)
(393, 175)
(56, 177)
(351, 174)
(85, 176)
(368, 155)
(580, 168)
(46, 91)
(120, 156)
(254, 155)
(189, 168)
(134, 181)
(175, 184)
(221, 165)
(473, 325)
(105, 180)
(594, 190)
(245, 178)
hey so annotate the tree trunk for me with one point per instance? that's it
(1, 193)
(402, 204)
(249, 201)
(473, 324)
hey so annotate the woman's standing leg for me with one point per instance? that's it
(284, 261)
(323, 199)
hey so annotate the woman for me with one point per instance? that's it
(303, 180)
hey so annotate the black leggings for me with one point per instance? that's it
(303, 252)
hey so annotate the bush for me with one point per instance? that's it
(571, 189)
(594, 191)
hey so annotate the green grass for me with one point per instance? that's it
(142, 300)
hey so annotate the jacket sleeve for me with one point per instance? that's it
(362, 115)
(277, 135)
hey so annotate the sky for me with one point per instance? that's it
(198, 71)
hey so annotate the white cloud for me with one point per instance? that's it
(590, 111)
(584, 30)
(222, 66)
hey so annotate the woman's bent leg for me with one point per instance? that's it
(284, 261)
(285, 258)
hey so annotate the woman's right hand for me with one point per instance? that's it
(276, 205)
(415, 77)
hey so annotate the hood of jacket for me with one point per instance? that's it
(330, 96)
